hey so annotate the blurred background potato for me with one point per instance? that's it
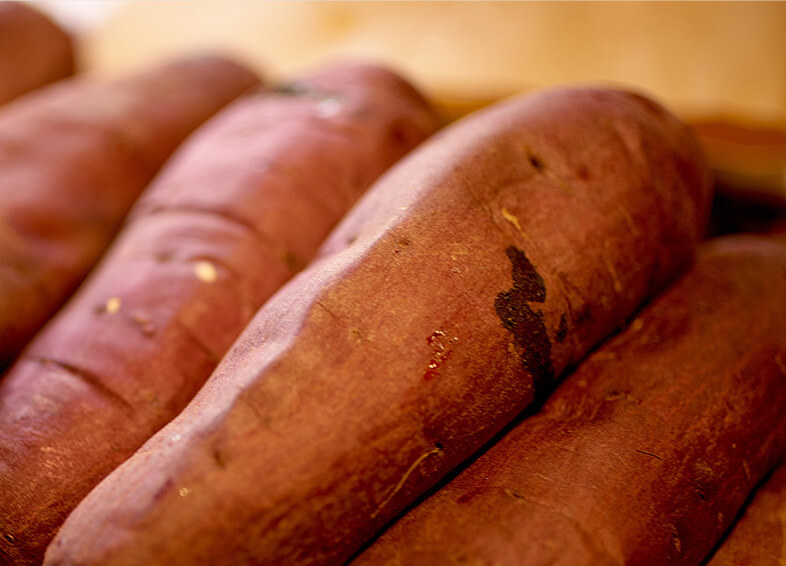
(719, 65)
(724, 58)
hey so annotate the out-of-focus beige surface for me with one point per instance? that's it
(725, 58)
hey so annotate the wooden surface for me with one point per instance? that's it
(699, 58)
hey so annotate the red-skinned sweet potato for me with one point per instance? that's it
(73, 158)
(33, 50)
(245, 201)
(758, 538)
(645, 454)
(475, 271)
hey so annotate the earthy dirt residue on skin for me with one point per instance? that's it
(526, 325)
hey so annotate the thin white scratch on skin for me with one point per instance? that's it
(675, 538)
(113, 305)
(747, 470)
(629, 220)
(404, 478)
(561, 183)
(544, 477)
(205, 271)
(510, 217)
(614, 278)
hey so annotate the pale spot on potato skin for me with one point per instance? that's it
(205, 271)
(328, 107)
(113, 305)
(513, 219)
(144, 323)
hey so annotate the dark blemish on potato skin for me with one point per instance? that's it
(467, 496)
(402, 244)
(299, 89)
(404, 133)
(527, 326)
(165, 488)
(219, 459)
(584, 315)
(536, 163)
(562, 330)
(289, 89)
(510, 492)
(292, 262)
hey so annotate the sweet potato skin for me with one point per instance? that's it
(645, 454)
(33, 50)
(212, 239)
(83, 151)
(758, 538)
(404, 348)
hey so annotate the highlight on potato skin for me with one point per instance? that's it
(385, 364)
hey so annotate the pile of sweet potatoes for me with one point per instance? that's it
(513, 349)
(240, 208)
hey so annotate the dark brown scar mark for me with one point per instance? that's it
(562, 331)
(536, 163)
(218, 458)
(527, 326)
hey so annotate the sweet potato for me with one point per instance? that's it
(646, 452)
(758, 538)
(474, 272)
(245, 202)
(73, 158)
(33, 50)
